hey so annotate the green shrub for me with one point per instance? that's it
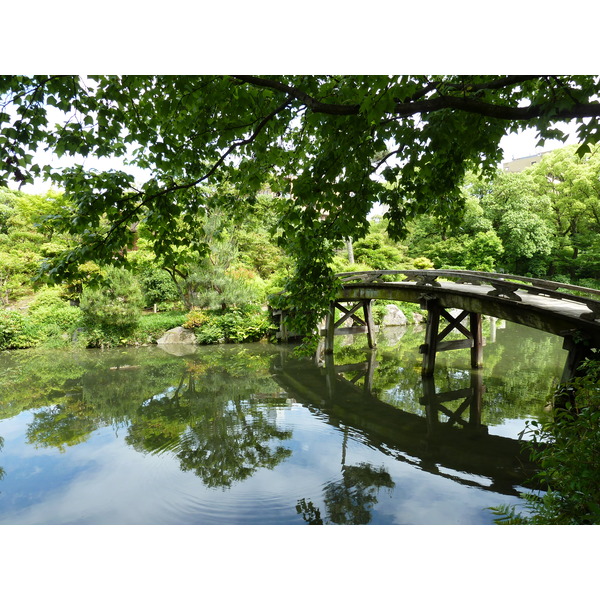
(195, 319)
(47, 298)
(210, 333)
(158, 287)
(241, 325)
(114, 309)
(50, 313)
(567, 448)
(154, 326)
(248, 324)
(16, 331)
(422, 262)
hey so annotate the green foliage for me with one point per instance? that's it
(54, 319)
(196, 319)
(422, 262)
(153, 326)
(567, 449)
(482, 251)
(248, 324)
(157, 286)
(419, 134)
(542, 222)
(378, 252)
(16, 331)
(114, 308)
(340, 264)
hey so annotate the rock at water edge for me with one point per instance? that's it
(178, 335)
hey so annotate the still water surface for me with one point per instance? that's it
(247, 434)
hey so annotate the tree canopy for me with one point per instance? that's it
(328, 147)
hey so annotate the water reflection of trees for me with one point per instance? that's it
(212, 427)
(231, 445)
(349, 501)
(63, 425)
(198, 408)
(520, 370)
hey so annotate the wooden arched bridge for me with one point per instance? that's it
(569, 311)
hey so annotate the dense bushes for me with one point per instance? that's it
(247, 324)
(567, 448)
(16, 331)
(112, 311)
(52, 322)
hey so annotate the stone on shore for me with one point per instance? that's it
(178, 335)
(393, 316)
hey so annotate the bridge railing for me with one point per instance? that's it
(504, 285)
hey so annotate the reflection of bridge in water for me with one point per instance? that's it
(451, 443)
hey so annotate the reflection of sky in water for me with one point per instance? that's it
(510, 428)
(104, 481)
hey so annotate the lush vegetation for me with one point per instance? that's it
(567, 448)
(542, 222)
(329, 148)
(109, 305)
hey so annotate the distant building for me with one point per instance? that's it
(519, 164)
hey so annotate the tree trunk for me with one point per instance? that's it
(350, 250)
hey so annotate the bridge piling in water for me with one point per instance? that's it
(579, 350)
(359, 325)
(434, 338)
(472, 400)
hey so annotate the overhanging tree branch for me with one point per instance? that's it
(149, 199)
(466, 104)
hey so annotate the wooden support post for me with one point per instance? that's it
(371, 366)
(330, 329)
(477, 334)
(330, 375)
(578, 352)
(368, 309)
(431, 409)
(429, 349)
(477, 399)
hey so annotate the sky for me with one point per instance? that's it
(524, 143)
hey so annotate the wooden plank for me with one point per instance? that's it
(368, 309)
(454, 323)
(454, 345)
(349, 330)
(349, 313)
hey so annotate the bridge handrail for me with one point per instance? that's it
(503, 283)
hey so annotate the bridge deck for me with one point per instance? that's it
(532, 308)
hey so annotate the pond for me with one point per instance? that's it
(249, 434)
